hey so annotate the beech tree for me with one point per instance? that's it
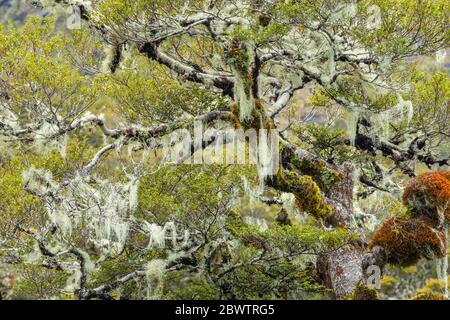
(85, 117)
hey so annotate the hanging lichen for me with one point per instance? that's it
(352, 125)
(380, 123)
(155, 271)
(241, 58)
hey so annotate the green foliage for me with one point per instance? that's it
(359, 91)
(35, 72)
(16, 205)
(50, 79)
(259, 34)
(183, 286)
(406, 26)
(325, 142)
(35, 282)
(287, 247)
(257, 257)
(430, 93)
(208, 188)
(154, 95)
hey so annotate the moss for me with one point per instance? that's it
(283, 218)
(327, 178)
(308, 196)
(429, 194)
(407, 241)
(433, 286)
(429, 296)
(235, 116)
(388, 283)
(258, 120)
(264, 20)
(258, 104)
(363, 292)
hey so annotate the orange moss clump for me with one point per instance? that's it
(446, 175)
(406, 241)
(429, 194)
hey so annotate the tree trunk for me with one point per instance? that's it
(343, 269)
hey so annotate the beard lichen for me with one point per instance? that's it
(241, 58)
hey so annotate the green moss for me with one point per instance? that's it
(283, 218)
(325, 177)
(363, 292)
(238, 57)
(308, 196)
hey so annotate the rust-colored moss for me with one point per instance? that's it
(406, 241)
(258, 104)
(429, 194)
(234, 49)
(429, 296)
(250, 81)
(446, 175)
(235, 116)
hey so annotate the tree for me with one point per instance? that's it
(161, 67)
